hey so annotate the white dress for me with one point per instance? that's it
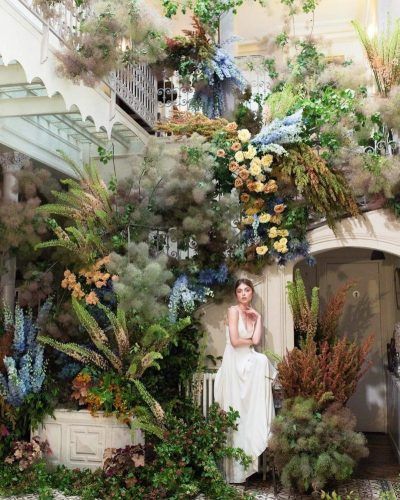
(244, 382)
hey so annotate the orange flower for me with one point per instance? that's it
(221, 153)
(115, 277)
(259, 203)
(238, 182)
(92, 299)
(231, 127)
(244, 174)
(271, 186)
(278, 209)
(233, 166)
(251, 185)
(245, 197)
(77, 291)
(236, 146)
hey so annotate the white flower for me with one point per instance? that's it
(250, 153)
(239, 156)
(255, 169)
(244, 135)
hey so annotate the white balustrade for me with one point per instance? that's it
(136, 85)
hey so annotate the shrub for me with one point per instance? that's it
(312, 448)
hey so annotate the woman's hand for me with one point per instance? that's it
(252, 314)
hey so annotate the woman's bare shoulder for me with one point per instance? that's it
(233, 310)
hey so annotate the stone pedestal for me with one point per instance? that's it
(78, 440)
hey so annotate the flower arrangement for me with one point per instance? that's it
(262, 219)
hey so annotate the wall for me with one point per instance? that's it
(378, 230)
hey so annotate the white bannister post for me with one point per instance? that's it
(11, 164)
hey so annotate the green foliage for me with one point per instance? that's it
(313, 448)
(279, 104)
(117, 348)
(208, 12)
(87, 205)
(182, 464)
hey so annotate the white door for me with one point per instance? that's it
(361, 317)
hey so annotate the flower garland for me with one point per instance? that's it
(262, 223)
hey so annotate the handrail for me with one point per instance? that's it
(135, 85)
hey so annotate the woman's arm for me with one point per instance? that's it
(258, 328)
(233, 321)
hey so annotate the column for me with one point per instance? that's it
(11, 163)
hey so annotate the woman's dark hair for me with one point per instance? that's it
(244, 281)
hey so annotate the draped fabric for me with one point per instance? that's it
(244, 382)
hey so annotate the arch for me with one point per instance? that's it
(378, 229)
(375, 230)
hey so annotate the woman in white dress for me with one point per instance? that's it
(244, 382)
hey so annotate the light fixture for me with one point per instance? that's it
(377, 255)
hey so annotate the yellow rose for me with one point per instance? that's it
(266, 161)
(276, 219)
(279, 247)
(248, 220)
(273, 232)
(264, 218)
(283, 232)
(283, 241)
(250, 153)
(251, 211)
(255, 169)
(244, 135)
(239, 156)
(258, 187)
(262, 250)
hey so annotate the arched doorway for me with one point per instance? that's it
(370, 308)
(374, 231)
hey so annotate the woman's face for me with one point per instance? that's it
(244, 294)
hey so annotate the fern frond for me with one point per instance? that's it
(119, 331)
(80, 353)
(96, 334)
(67, 244)
(57, 209)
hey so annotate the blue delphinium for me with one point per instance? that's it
(210, 277)
(220, 73)
(25, 369)
(280, 131)
(184, 296)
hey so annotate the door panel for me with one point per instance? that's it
(361, 317)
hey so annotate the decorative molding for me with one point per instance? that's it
(78, 440)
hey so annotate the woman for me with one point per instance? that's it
(244, 382)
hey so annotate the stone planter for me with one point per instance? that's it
(78, 440)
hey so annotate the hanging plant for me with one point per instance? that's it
(110, 37)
